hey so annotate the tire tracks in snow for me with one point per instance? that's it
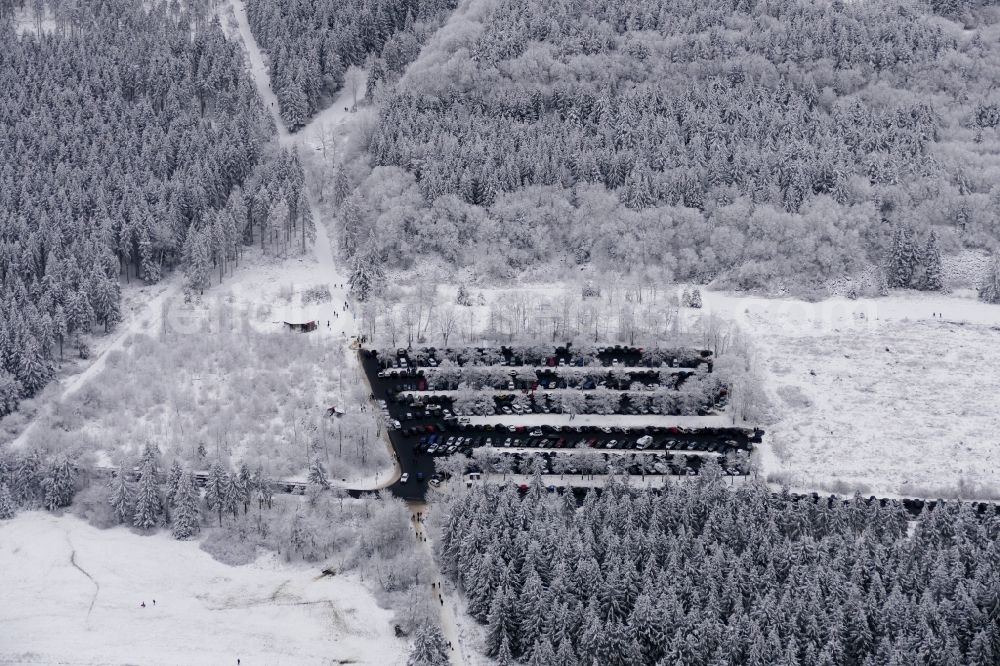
(97, 586)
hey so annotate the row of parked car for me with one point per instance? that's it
(651, 463)
(611, 355)
(450, 423)
(444, 443)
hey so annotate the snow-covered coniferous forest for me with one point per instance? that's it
(542, 332)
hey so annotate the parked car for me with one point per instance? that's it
(405, 478)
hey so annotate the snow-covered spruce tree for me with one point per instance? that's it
(215, 489)
(500, 624)
(317, 475)
(429, 647)
(294, 105)
(341, 186)
(566, 655)
(151, 457)
(903, 258)
(542, 654)
(367, 274)
(245, 484)
(696, 298)
(263, 488)
(59, 483)
(11, 391)
(26, 481)
(989, 290)
(7, 508)
(505, 656)
(148, 507)
(186, 522)
(121, 498)
(197, 259)
(34, 369)
(234, 495)
(930, 265)
(173, 481)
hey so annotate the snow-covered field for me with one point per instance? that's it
(72, 594)
(892, 396)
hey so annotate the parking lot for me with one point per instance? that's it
(422, 424)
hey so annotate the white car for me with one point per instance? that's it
(405, 478)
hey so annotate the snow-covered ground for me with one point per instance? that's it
(72, 594)
(893, 396)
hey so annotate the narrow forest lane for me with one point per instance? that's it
(258, 69)
(439, 597)
(332, 124)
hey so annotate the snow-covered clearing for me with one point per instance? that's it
(72, 595)
(892, 396)
(223, 375)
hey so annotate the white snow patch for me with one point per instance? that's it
(894, 396)
(205, 613)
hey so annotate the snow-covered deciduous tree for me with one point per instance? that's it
(463, 298)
